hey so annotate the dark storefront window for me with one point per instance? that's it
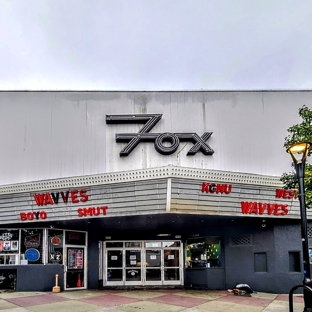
(75, 238)
(114, 244)
(32, 246)
(36, 246)
(131, 244)
(203, 252)
(55, 246)
(9, 246)
(172, 244)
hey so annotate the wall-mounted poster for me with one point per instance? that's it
(14, 245)
(6, 245)
(1, 245)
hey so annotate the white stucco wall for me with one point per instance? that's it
(46, 135)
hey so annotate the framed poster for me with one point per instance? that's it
(14, 245)
(6, 246)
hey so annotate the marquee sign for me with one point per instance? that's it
(159, 139)
(258, 208)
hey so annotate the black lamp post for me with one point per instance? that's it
(299, 153)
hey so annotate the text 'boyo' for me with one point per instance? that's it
(165, 143)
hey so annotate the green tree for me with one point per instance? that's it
(301, 132)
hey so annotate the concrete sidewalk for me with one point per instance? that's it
(145, 301)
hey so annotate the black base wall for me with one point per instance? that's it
(204, 278)
(275, 243)
(36, 277)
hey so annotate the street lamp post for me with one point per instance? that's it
(299, 153)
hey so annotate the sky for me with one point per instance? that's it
(155, 44)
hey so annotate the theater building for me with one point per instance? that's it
(141, 189)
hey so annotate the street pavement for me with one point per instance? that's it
(155, 300)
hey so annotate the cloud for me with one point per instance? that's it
(155, 44)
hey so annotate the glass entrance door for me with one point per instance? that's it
(75, 277)
(133, 267)
(148, 263)
(124, 267)
(153, 267)
(75, 258)
(114, 265)
(171, 259)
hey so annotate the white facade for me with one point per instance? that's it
(65, 187)
(51, 135)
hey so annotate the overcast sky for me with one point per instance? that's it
(155, 44)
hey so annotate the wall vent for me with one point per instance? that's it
(241, 240)
(309, 230)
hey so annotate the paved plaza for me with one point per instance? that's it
(169, 300)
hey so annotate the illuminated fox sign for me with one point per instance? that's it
(159, 139)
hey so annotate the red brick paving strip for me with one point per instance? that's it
(36, 300)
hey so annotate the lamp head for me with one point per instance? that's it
(299, 151)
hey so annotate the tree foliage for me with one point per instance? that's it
(301, 132)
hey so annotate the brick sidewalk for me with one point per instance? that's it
(144, 301)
